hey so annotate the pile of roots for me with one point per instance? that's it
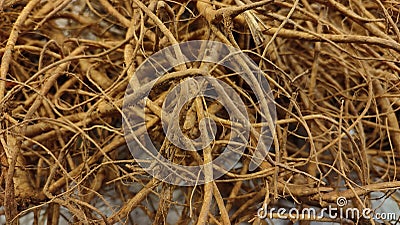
(332, 65)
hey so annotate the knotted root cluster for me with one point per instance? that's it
(332, 65)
